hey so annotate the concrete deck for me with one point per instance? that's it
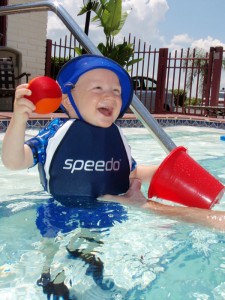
(130, 116)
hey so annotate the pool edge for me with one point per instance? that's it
(129, 121)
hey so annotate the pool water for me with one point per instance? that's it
(145, 256)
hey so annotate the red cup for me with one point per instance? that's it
(46, 94)
(181, 179)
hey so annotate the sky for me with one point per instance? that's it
(173, 24)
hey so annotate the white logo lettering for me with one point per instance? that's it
(68, 164)
(91, 165)
(112, 165)
(78, 165)
(99, 166)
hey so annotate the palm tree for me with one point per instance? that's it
(196, 65)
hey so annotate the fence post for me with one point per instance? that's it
(161, 80)
(216, 75)
(48, 58)
(207, 87)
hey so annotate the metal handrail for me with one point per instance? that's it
(137, 107)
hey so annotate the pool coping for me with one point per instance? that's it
(129, 120)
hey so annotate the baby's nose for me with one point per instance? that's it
(109, 94)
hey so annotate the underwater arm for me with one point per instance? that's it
(205, 217)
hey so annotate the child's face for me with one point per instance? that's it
(97, 94)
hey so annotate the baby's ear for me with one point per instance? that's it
(68, 106)
(65, 101)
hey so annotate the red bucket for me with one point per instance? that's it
(181, 179)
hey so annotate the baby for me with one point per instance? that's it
(80, 158)
(85, 154)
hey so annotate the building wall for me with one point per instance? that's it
(27, 33)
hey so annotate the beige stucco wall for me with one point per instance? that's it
(26, 32)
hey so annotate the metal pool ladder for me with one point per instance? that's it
(137, 107)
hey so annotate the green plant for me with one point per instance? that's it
(56, 65)
(193, 101)
(109, 15)
(180, 97)
(121, 53)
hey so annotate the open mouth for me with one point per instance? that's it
(106, 111)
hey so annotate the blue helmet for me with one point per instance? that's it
(74, 68)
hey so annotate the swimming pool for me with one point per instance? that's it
(145, 256)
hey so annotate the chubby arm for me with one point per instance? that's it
(16, 155)
(144, 173)
(205, 217)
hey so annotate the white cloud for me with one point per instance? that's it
(54, 23)
(181, 38)
(179, 41)
(56, 29)
(144, 19)
(142, 22)
(207, 43)
(185, 41)
(151, 9)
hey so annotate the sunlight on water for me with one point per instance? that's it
(144, 257)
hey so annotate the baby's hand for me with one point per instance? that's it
(22, 106)
(133, 196)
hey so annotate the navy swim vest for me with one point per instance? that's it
(85, 160)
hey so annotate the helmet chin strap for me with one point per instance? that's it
(74, 105)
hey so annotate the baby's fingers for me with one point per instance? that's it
(22, 91)
(23, 102)
(22, 86)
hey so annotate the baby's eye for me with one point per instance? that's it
(97, 87)
(117, 91)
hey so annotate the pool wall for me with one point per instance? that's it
(133, 122)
